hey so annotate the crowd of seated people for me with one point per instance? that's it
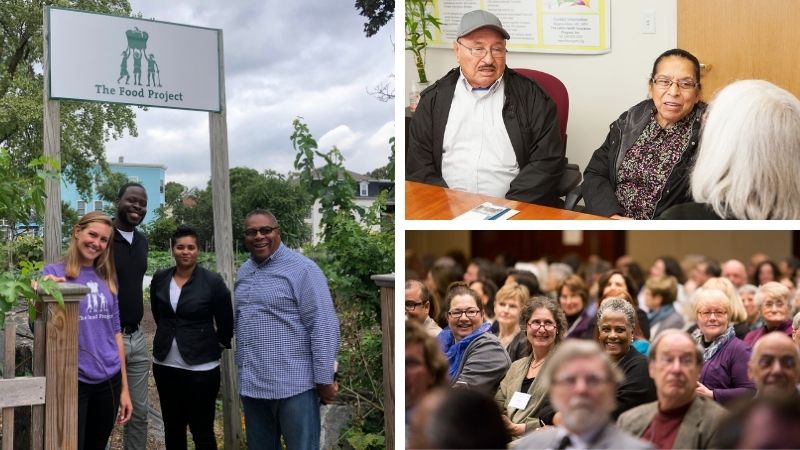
(729, 352)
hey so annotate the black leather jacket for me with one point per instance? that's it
(204, 300)
(600, 177)
(532, 124)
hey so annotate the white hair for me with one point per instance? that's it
(749, 158)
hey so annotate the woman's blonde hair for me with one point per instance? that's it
(749, 154)
(104, 263)
(709, 294)
(513, 291)
(737, 312)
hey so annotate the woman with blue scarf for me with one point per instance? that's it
(724, 375)
(476, 357)
(659, 296)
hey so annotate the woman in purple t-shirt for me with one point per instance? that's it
(102, 382)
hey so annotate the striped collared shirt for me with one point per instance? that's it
(287, 331)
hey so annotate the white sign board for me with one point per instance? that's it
(114, 59)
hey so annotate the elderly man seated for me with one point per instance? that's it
(484, 128)
(774, 367)
(582, 384)
(679, 418)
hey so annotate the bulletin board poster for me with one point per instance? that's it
(537, 26)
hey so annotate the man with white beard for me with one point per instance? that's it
(582, 384)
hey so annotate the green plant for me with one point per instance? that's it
(356, 244)
(419, 24)
(21, 200)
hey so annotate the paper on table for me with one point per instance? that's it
(488, 211)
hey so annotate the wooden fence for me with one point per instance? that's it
(386, 283)
(53, 388)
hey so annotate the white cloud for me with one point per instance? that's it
(282, 60)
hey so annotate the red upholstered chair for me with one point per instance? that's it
(558, 93)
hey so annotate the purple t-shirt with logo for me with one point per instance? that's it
(98, 323)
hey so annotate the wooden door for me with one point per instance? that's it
(742, 39)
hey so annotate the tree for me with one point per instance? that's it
(378, 13)
(173, 193)
(285, 197)
(331, 184)
(69, 217)
(353, 248)
(108, 188)
(85, 126)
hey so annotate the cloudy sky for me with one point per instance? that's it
(282, 59)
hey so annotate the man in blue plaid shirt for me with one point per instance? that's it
(287, 336)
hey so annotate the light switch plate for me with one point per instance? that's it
(648, 21)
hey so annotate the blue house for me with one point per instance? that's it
(151, 176)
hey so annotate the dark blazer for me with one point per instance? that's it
(204, 301)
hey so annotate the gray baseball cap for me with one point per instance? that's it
(479, 18)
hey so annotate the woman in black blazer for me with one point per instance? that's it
(187, 302)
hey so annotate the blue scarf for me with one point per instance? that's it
(661, 314)
(712, 349)
(455, 350)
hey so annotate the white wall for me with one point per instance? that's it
(601, 87)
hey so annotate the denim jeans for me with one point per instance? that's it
(137, 363)
(295, 418)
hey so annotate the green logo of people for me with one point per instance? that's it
(137, 47)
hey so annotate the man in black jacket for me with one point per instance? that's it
(130, 259)
(484, 128)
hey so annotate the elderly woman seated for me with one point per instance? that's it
(643, 166)
(773, 300)
(522, 397)
(477, 359)
(724, 375)
(749, 158)
(616, 322)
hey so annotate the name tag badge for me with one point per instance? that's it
(519, 400)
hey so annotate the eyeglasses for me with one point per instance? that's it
(265, 231)
(786, 361)
(480, 52)
(666, 83)
(570, 381)
(708, 314)
(770, 304)
(412, 305)
(469, 313)
(683, 360)
(536, 324)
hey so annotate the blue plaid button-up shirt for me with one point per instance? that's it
(287, 331)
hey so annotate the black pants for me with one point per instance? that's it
(187, 398)
(97, 412)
